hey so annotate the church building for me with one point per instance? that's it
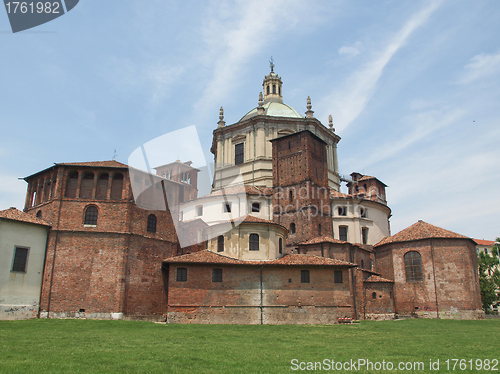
(283, 245)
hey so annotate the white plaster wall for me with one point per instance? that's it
(20, 292)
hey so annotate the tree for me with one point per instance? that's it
(489, 276)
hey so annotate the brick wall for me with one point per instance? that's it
(114, 266)
(242, 298)
(449, 285)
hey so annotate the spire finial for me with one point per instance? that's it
(330, 123)
(260, 108)
(271, 64)
(309, 112)
(221, 122)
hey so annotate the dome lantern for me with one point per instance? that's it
(272, 85)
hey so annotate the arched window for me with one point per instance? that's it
(90, 215)
(280, 245)
(374, 295)
(292, 228)
(39, 214)
(101, 192)
(116, 187)
(152, 223)
(274, 88)
(220, 243)
(267, 90)
(413, 266)
(254, 242)
(71, 184)
(87, 185)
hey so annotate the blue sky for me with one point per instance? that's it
(413, 87)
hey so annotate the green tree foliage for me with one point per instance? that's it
(489, 276)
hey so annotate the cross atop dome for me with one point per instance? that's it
(272, 85)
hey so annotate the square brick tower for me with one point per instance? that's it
(301, 198)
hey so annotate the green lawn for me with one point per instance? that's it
(88, 346)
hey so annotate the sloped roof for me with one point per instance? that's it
(250, 190)
(334, 193)
(377, 279)
(105, 164)
(208, 257)
(14, 214)
(487, 243)
(322, 239)
(420, 231)
(252, 219)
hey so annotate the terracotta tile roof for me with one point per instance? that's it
(338, 194)
(250, 190)
(105, 164)
(366, 177)
(378, 279)
(16, 215)
(487, 243)
(419, 231)
(294, 259)
(366, 247)
(322, 239)
(208, 257)
(252, 219)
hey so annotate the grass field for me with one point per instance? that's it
(89, 346)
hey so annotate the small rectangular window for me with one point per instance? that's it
(20, 259)
(342, 211)
(216, 275)
(182, 274)
(239, 150)
(254, 242)
(255, 207)
(337, 276)
(226, 207)
(220, 243)
(343, 233)
(362, 213)
(199, 210)
(305, 276)
(364, 232)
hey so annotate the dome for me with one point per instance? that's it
(274, 109)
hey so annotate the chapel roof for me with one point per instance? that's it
(14, 214)
(420, 231)
(208, 257)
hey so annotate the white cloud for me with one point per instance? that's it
(233, 43)
(423, 124)
(481, 65)
(351, 100)
(351, 51)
